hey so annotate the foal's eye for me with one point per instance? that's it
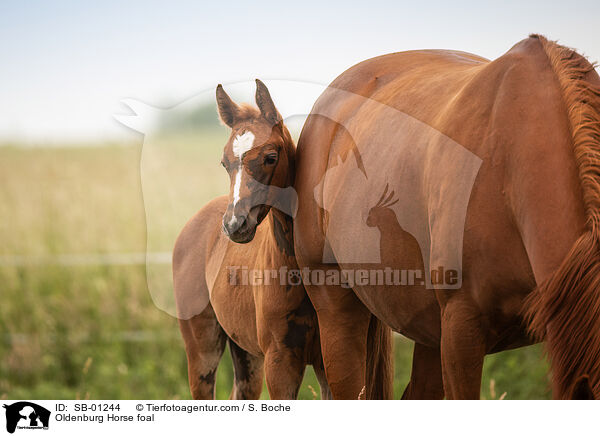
(270, 159)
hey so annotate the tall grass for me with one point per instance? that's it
(93, 331)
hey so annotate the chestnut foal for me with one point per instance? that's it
(271, 326)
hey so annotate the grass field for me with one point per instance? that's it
(85, 330)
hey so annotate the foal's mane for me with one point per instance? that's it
(565, 309)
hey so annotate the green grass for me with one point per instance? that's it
(93, 331)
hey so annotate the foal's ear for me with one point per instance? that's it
(265, 103)
(228, 110)
(582, 390)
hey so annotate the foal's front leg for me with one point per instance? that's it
(247, 374)
(285, 340)
(284, 371)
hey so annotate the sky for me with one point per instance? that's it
(66, 65)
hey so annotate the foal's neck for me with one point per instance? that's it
(282, 232)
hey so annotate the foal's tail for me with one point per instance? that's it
(380, 363)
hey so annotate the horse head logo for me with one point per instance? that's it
(25, 414)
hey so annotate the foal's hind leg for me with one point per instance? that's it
(426, 376)
(204, 344)
(247, 374)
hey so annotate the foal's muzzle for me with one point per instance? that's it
(233, 224)
(239, 228)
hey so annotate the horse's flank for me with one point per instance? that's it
(565, 309)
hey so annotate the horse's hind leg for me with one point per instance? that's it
(204, 344)
(322, 379)
(247, 374)
(426, 376)
(463, 349)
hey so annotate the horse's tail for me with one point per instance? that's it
(565, 309)
(380, 363)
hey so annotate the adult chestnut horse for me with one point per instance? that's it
(497, 165)
(268, 323)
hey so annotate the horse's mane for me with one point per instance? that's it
(565, 309)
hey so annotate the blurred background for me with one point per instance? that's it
(77, 319)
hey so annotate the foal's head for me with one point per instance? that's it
(259, 158)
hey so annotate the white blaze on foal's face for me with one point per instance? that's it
(241, 145)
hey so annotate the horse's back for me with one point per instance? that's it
(426, 84)
(191, 256)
